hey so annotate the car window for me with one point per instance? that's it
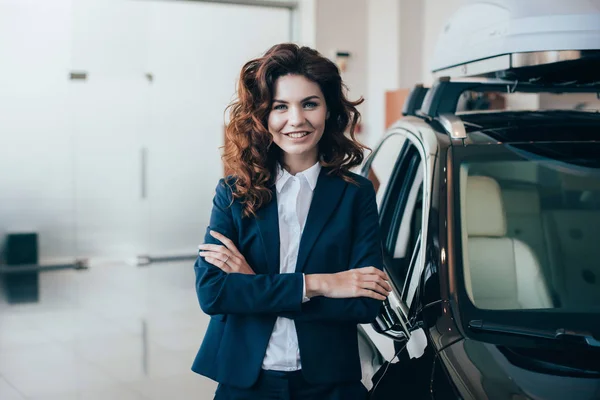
(408, 237)
(382, 164)
(401, 217)
(530, 225)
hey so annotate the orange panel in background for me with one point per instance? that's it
(394, 101)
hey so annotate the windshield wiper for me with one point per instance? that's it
(566, 335)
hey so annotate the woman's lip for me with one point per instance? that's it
(297, 139)
(290, 133)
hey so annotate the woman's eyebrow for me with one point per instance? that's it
(302, 101)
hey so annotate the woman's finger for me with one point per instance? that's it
(373, 271)
(218, 252)
(213, 247)
(381, 282)
(374, 286)
(218, 256)
(233, 262)
(219, 264)
(222, 253)
(226, 241)
(371, 294)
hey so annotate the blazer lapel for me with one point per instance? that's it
(328, 192)
(268, 224)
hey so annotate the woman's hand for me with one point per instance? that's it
(228, 257)
(359, 282)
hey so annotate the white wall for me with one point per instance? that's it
(383, 64)
(36, 150)
(340, 26)
(70, 165)
(305, 23)
(412, 31)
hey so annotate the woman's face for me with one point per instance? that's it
(297, 117)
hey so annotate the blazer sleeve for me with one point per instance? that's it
(366, 251)
(222, 293)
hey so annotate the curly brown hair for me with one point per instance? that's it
(250, 153)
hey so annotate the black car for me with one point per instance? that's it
(491, 235)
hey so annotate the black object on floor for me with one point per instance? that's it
(21, 249)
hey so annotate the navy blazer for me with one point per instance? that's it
(341, 233)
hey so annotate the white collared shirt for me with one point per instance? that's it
(294, 195)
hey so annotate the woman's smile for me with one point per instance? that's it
(297, 136)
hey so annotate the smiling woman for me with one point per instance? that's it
(292, 259)
(290, 90)
(297, 123)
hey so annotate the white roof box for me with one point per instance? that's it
(530, 39)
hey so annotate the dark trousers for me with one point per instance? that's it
(276, 385)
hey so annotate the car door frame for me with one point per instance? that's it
(418, 134)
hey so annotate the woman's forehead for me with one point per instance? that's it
(295, 88)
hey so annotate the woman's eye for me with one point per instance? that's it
(279, 107)
(310, 104)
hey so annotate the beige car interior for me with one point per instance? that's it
(504, 272)
(520, 255)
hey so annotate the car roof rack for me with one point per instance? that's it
(413, 102)
(453, 125)
(444, 95)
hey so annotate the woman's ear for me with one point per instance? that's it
(327, 115)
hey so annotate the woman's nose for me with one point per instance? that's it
(296, 117)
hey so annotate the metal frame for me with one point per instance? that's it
(144, 259)
(19, 269)
(291, 5)
(443, 96)
(509, 61)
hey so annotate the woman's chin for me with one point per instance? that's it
(298, 150)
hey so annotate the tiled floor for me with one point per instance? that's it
(114, 331)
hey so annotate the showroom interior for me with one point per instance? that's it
(112, 116)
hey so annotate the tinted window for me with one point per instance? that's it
(402, 216)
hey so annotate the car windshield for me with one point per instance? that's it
(530, 225)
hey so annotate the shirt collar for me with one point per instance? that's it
(311, 175)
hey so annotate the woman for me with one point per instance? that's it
(292, 258)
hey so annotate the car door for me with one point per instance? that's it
(397, 170)
(404, 201)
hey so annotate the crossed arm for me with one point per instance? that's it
(226, 284)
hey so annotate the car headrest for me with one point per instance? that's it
(484, 208)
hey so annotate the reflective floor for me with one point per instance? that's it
(114, 331)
